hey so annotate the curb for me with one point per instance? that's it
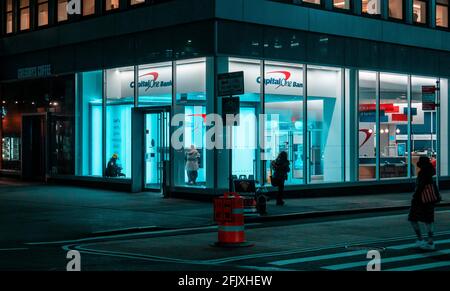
(318, 214)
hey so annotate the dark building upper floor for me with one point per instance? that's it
(29, 25)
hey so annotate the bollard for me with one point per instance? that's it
(229, 215)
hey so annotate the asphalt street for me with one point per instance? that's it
(331, 243)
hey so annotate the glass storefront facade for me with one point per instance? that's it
(338, 125)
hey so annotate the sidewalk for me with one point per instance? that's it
(44, 212)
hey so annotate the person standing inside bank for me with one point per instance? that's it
(425, 196)
(192, 165)
(280, 168)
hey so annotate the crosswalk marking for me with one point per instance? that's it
(343, 255)
(361, 263)
(407, 246)
(388, 260)
(317, 258)
(422, 266)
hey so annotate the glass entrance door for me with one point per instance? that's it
(156, 151)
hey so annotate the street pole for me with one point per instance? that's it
(438, 132)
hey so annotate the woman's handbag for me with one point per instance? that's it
(274, 181)
(430, 194)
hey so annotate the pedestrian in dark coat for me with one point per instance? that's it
(280, 169)
(420, 211)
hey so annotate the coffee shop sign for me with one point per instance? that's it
(34, 72)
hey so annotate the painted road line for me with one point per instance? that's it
(121, 236)
(422, 267)
(134, 256)
(407, 246)
(387, 260)
(317, 258)
(14, 249)
(180, 231)
(126, 229)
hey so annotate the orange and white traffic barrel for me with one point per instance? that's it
(229, 214)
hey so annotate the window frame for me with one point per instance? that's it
(39, 4)
(365, 14)
(9, 12)
(435, 13)
(136, 4)
(57, 21)
(427, 20)
(106, 11)
(349, 10)
(88, 15)
(321, 5)
(19, 14)
(403, 19)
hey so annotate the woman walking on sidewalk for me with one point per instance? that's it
(422, 209)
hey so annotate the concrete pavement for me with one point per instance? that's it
(31, 213)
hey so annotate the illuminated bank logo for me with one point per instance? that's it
(152, 82)
(280, 79)
(368, 134)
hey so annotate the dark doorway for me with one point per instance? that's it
(33, 147)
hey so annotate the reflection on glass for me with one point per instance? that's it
(423, 120)
(89, 124)
(119, 102)
(244, 137)
(393, 126)
(284, 117)
(367, 125)
(325, 127)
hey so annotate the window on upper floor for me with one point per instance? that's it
(316, 2)
(62, 10)
(24, 12)
(396, 9)
(342, 4)
(371, 7)
(9, 16)
(88, 7)
(135, 2)
(442, 13)
(420, 11)
(42, 12)
(111, 5)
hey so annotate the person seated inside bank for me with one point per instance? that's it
(114, 169)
